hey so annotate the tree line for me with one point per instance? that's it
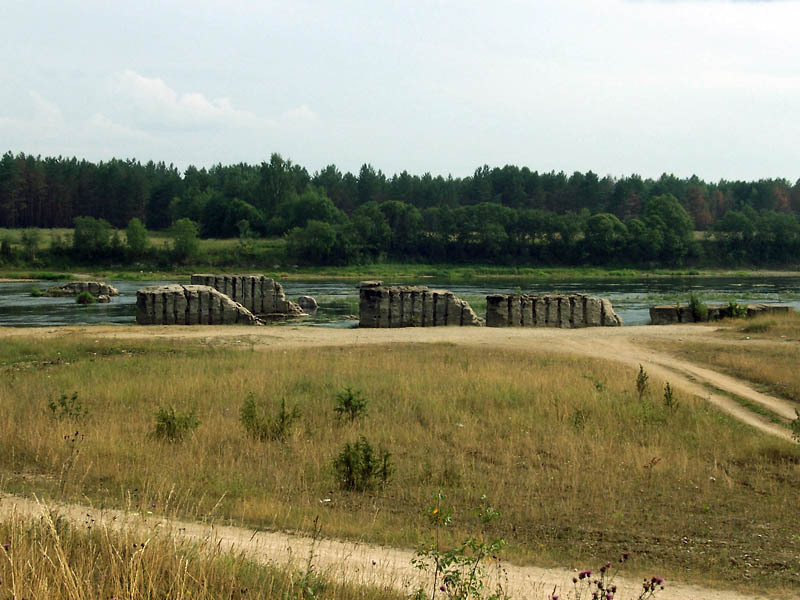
(496, 215)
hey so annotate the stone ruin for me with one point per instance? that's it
(671, 313)
(546, 310)
(75, 288)
(189, 305)
(258, 294)
(411, 306)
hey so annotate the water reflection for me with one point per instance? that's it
(338, 300)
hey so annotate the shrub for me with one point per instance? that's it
(173, 426)
(85, 298)
(699, 309)
(359, 468)
(350, 404)
(736, 310)
(66, 407)
(262, 428)
(36, 293)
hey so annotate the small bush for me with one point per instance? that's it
(736, 310)
(173, 426)
(699, 309)
(262, 428)
(85, 298)
(359, 468)
(350, 404)
(36, 293)
(66, 407)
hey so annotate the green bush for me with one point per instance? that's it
(359, 468)
(350, 404)
(85, 298)
(699, 309)
(36, 293)
(736, 310)
(173, 426)
(263, 428)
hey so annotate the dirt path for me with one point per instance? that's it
(357, 563)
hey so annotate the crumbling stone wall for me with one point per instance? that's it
(258, 294)
(75, 288)
(189, 305)
(412, 306)
(671, 313)
(549, 310)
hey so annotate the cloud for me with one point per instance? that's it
(151, 103)
(300, 113)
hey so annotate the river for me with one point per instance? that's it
(338, 300)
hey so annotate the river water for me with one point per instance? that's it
(338, 300)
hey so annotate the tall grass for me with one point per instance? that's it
(579, 467)
(50, 558)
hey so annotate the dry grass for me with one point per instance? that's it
(49, 558)
(580, 470)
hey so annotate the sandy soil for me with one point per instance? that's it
(356, 563)
(363, 563)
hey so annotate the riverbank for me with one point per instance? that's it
(395, 272)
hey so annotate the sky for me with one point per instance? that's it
(705, 87)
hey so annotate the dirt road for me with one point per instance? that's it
(357, 563)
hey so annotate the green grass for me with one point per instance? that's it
(687, 492)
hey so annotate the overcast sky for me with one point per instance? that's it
(443, 86)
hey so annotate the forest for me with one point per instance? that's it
(499, 215)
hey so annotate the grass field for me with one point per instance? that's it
(579, 468)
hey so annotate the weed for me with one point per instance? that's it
(351, 404)
(173, 426)
(641, 383)
(602, 586)
(670, 401)
(360, 469)
(311, 586)
(262, 428)
(459, 573)
(66, 407)
(36, 293)
(579, 418)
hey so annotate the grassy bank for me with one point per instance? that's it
(580, 469)
(390, 272)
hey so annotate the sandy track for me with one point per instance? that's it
(357, 563)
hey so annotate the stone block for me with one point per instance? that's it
(496, 310)
(540, 311)
(181, 305)
(594, 312)
(564, 312)
(578, 304)
(453, 310)
(528, 318)
(427, 309)
(395, 308)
